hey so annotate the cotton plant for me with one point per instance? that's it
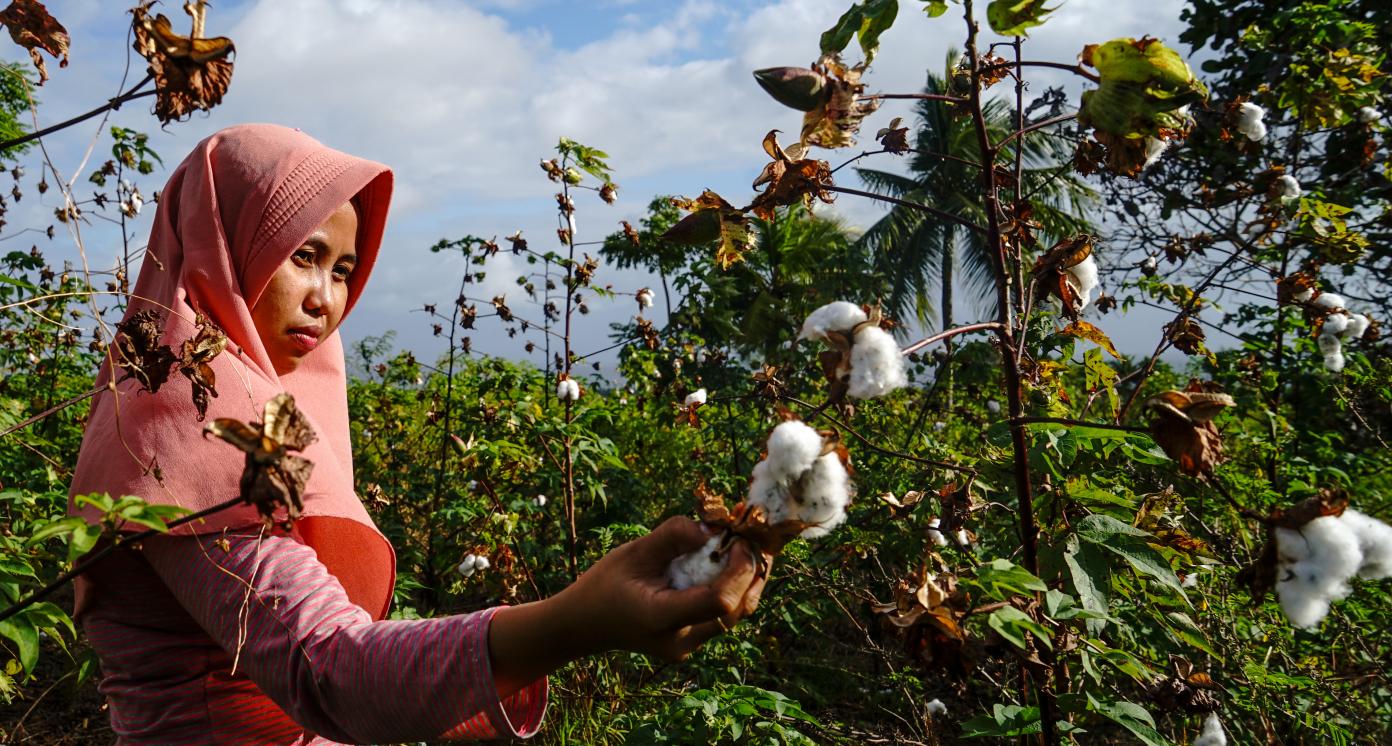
(863, 357)
(1339, 325)
(801, 487)
(1316, 561)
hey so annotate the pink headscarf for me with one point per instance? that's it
(237, 207)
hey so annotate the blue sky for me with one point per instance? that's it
(462, 99)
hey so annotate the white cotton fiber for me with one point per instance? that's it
(1083, 277)
(837, 316)
(1335, 324)
(698, 567)
(567, 390)
(934, 535)
(1368, 115)
(1333, 350)
(1249, 121)
(936, 707)
(826, 489)
(877, 368)
(1330, 300)
(792, 447)
(1357, 326)
(1212, 733)
(1154, 148)
(1304, 296)
(696, 397)
(1374, 541)
(1314, 567)
(1287, 187)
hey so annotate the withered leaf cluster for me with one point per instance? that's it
(630, 233)
(1183, 427)
(195, 358)
(894, 138)
(828, 93)
(31, 27)
(789, 180)
(928, 611)
(191, 72)
(501, 306)
(746, 522)
(1050, 271)
(1186, 335)
(767, 383)
(138, 352)
(649, 333)
(272, 478)
(712, 219)
(1186, 690)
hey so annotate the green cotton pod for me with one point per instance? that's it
(1147, 62)
(795, 87)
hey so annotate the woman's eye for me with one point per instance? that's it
(304, 256)
(342, 271)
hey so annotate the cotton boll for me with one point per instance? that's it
(934, 535)
(826, 489)
(1291, 546)
(1287, 187)
(698, 567)
(792, 447)
(1335, 324)
(993, 406)
(1249, 121)
(539, 501)
(1315, 568)
(645, 298)
(1330, 300)
(768, 493)
(1212, 733)
(481, 563)
(837, 316)
(1303, 606)
(936, 707)
(1358, 324)
(1334, 362)
(568, 390)
(1374, 541)
(1335, 549)
(468, 566)
(1333, 351)
(1368, 115)
(1154, 148)
(1304, 296)
(696, 397)
(1083, 277)
(877, 368)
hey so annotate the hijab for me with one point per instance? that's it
(238, 206)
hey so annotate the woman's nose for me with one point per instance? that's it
(316, 295)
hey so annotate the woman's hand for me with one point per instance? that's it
(623, 602)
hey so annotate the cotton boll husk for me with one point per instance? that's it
(826, 490)
(1330, 300)
(1368, 115)
(1212, 733)
(1374, 541)
(877, 368)
(837, 316)
(792, 447)
(1335, 324)
(936, 707)
(696, 568)
(1084, 279)
(934, 535)
(1358, 324)
(696, 397)
(1249, 121)
(1287, 187)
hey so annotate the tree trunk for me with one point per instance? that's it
(948, 267)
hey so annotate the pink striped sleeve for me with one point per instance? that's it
(291, 629)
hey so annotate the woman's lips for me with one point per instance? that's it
(304, 339)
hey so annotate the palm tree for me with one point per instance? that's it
(914, 248)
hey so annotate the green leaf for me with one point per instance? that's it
(1132, 717)
(1012, 624)
(82, 541)
(1146, 561)
(865, 21)
(934, 8)
(1004, 721)
(1189, 633)
(25, 637)
(57, 528)
(1099, 528)
(1016, 17)
(1002, 579)
(1092, 578)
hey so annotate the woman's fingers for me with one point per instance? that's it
(674, 537)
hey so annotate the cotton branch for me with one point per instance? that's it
(983, 326)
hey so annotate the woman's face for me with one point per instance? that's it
(306, 296)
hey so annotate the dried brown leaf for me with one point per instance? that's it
(32, 27)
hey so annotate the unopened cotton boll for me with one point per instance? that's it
(837, 316)
(1212, 733)
(1249, 121)
(1330, 300)
(700, 567)
(934, 535)
(696, 397)
(1368, 115)
(1287, 187)
(1083, 278)
(936, 707)
(877, 367)
(568, 390)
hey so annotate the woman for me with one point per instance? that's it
(226, 633)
